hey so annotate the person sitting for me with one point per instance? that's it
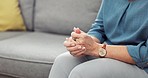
(116, 46)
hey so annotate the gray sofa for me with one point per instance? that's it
(30, 54)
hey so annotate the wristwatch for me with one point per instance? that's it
(102, 51)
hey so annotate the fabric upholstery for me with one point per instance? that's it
(8, 35)
(30, 55)
(60, 16)
(27, 12)
(10, 17)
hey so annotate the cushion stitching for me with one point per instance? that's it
(23, 60)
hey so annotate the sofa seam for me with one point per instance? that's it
(10, 75)
(33, 15)
(31, 61)
(14, 36)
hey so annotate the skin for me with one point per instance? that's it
(88, 45)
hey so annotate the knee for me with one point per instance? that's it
(77, 72)
(66, 59)
(62, 57)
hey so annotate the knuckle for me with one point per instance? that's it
(80, 41)
(72, 33)
(64, 43)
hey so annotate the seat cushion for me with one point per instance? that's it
(8, 35)
(30, 55)
(60, 16)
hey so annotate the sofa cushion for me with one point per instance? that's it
(30, 55)
(60, 16)
(10, 17)
(8, 35)
(27, 12)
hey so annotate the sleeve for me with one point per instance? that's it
(139, 53)
(97, 28)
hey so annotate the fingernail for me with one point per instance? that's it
(66, 38)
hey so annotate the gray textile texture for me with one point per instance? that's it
(67, 66)
(30, 54)
(7, 35)
(60, 16)
(27, 7)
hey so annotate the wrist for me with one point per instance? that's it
(96, 49)
(102, 51)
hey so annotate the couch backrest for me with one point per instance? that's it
(59, 16)
(27, 12)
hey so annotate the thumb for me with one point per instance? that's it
(78, 30)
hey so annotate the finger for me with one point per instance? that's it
(75, 35)
(80, 54)
(71, 40)
(75, 48)
(80, 41)
(68, 44)
(77, 30)
(67, 39)
(77, 53)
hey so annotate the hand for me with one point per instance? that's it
(87, 41)
(74, 49)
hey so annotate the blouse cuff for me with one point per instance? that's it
(138, 55)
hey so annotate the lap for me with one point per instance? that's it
(107, 68)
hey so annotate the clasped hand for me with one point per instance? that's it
(81, 44)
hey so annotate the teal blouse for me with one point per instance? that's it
(120, 22)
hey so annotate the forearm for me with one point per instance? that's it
(119, 53)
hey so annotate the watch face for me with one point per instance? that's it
(102, 52)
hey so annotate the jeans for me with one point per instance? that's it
(67, 66)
